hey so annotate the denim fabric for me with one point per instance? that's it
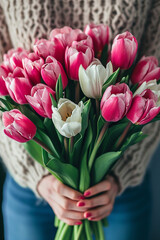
(27, 218)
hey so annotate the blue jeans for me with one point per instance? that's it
(27, 218)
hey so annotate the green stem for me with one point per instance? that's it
(66, 145)
(122, 137)
(96, 146)
(97, 107)
(56, 221)
(88, 229)
(42, 145)
(77, 92)
(60, 228)
(100, 230)
(75, 231)
(79, 232)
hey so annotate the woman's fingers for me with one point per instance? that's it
(99, 212)
(100, 200)
(67, 216)
(66, 191)
(103, 186)
(66, 203)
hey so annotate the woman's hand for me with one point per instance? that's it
(62, 199)
(101, 199)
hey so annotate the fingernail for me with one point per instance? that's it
(81, 204)
(82, 197)
(87, 215)
(87, 193)
(78, 223)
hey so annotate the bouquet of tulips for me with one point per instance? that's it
(77, 103)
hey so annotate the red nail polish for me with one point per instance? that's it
(88, 215)
(87, 193)
(81, 204)
(78, 223)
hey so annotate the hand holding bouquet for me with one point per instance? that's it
(77, 104)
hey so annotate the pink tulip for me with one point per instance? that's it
(51, 71)
(99, 34)
(144, 108)
(32, 66)
(83, 39)
(45, 48)
(124, 50)
(3, 75)
(40, 100)
(146, 69)
(18, 85)
(18, 126)
(74, 57)
(66, 34)
(116, 102)
(14, 58)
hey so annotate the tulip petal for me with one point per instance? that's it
(137, 109)
(113, 109)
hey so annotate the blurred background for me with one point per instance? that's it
(155, 177)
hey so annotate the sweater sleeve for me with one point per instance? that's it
(131, 168)
(21, 166)
(5, 42)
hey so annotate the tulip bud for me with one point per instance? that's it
(14, 57)
(92, 79)
(124, 50)
(32, 65)
(116, 102)
(67, 117)
(144, 108)
(74, 57)
(18, 126)
(45, 48)
(51, 71)
(3, 75)
(83, 39)
(146, 69)
(99, 34)
(40, 100)
(66, 34)
(18, 87)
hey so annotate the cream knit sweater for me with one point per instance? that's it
(21, 21)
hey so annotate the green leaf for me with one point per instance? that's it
(110, 138)
(47, 141)
(125, 79)
(65, 172)
(6, 104)
(100, 124)
(103, 164)
(54, 103)
(52, 133)
(32, 115)
(79, 138)
(134, 88)
(111, 80)
(34, 150)
(133, 139)
(59, 88)
(85, 115)
(104, 55)
(84, 172)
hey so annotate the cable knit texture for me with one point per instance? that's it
(22, 21)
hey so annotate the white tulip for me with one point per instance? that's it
(67, 117)
(92, 79)
(153, 86)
